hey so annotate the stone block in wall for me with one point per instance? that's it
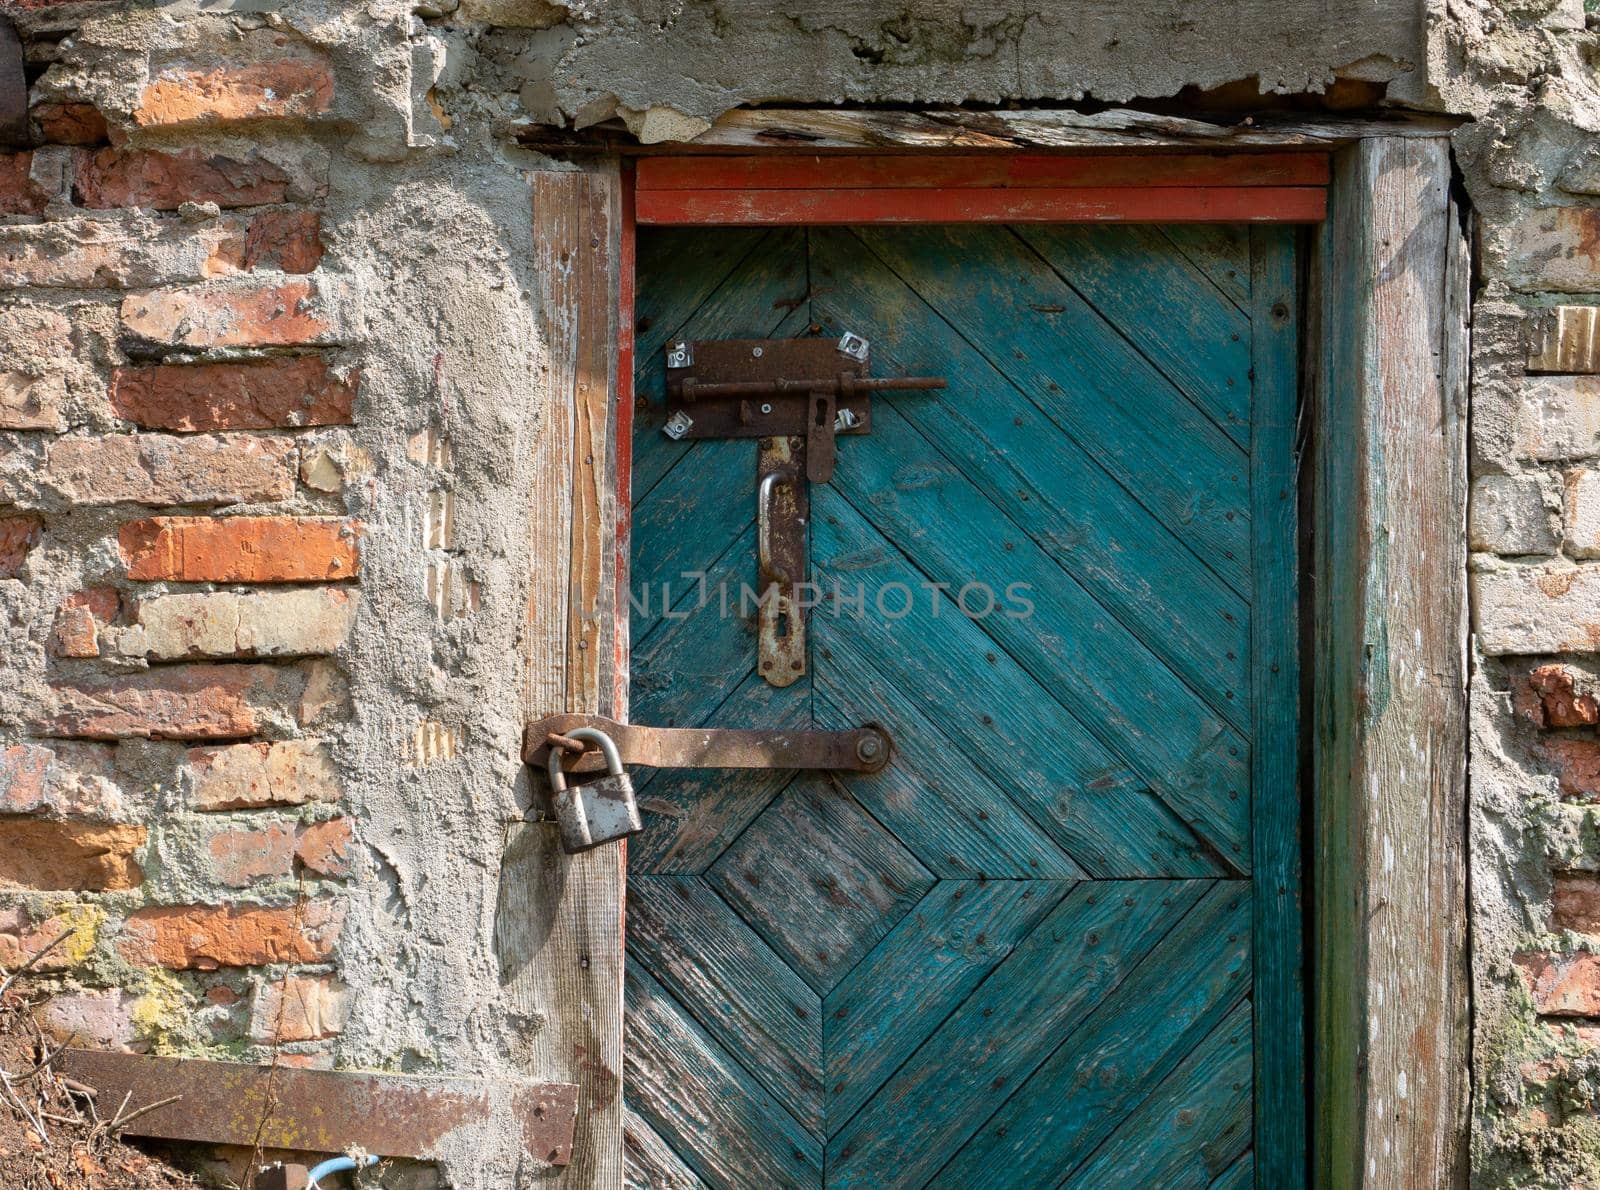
(242, 856)
(18, 535)
(1558, 418)
(99, 1019)
(165, 181)
(250, 776)
(19, 193)
(241, 549)
(1541, 608)
(1558, 694)
(205, 937)
(69, 855)
(1565, 339)
(299, 1008)
(1575, 763)
(1562, 984)
(284, 315)
(287, 88)
(79, 619)
(1576, 902)
(1582, 513)
(224, 701)
(1507, 514)
(48, 365)
(70, 123)
(1555, 250)
(255, 395)
(22, 937)
(68, 780)
(167, 470)
(304, 622)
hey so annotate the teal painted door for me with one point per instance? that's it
(1056, 942)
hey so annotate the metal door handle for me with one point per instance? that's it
(764, 523)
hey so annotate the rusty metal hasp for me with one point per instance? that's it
(328, 1111)
(860, 750)
(796, 396)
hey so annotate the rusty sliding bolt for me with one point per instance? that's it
(863, 749)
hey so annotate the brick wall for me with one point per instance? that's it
(176, 393)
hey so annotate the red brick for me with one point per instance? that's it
(250, 776)
(79, 620)
(205, 937)
(165, 181)
(64, 780)
(240, 549)
(325, 848)
(100, 1020)
(71, 123)
(159, 469)
(241, 857)
(19, 195)
(287, 88)
(1562, 985)
(1550, 697)
(21, 938)
(286, 240)
(300, 1008)
(18, 536)
(51, 854)
(178, 702)
(205, 316)
(1577, 902)
(1576, 763)
(246, 396)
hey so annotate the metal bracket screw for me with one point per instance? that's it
(845, 419)
(854, 346)
(680, 355)
(679, 424)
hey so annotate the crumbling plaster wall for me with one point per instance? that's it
(423, 306)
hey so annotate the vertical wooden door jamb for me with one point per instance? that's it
(1278, 961)
(1391, 1008)
(559, 925)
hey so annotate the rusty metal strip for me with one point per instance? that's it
(326, 1111)
(862, 750)
(783, 505)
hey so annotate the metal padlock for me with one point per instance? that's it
(602, 810)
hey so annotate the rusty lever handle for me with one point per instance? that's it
(862, 750)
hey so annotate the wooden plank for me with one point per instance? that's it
(1221, 251)
(750, 300)
(1192, 1128)
(1086, 377)
(732, 983)
(927, 674)
(1280, 1138)
(1390, 704)
(880, 1013)
(649, 1162)
(810, 130)
(1241, 1175)
(558, 929)
(1087, 204)
(1127, 1047)
(1031, 170)
(1077, 653)
(943, 1093)
(621, 443)
(698, 1098)
(1137, 281)
(1075, 510)
(819, 880)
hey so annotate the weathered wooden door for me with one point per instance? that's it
(1056, 942)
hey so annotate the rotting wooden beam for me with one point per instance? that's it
(1390, 1029)
(820, 130)
(558, 929)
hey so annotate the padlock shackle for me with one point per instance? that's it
(608, 749)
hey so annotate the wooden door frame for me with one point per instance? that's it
(1383, 368)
